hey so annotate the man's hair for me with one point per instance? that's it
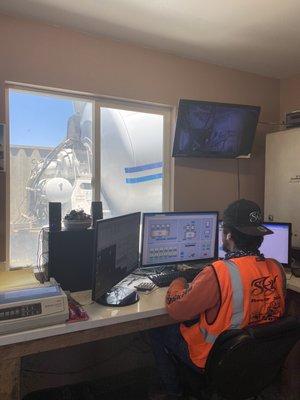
(243, 241)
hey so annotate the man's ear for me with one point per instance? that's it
(228, 236)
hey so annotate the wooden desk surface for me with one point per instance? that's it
(150, 305)
(104, 322)
(292, 282)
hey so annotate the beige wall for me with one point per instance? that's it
(35, 53)
(289, 95)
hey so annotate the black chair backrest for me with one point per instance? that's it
(242, 362)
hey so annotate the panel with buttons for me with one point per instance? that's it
(26, 310)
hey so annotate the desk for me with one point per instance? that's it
(292, 282)
(104, 323)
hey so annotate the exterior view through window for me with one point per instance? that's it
(52, 157)
(131, 161)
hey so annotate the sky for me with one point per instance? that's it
(41, 120)
(38, 120)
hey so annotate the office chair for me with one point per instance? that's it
(243, 362)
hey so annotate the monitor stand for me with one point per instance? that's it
(119, 296)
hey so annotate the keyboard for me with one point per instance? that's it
(163, 279)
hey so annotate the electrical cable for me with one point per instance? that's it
(132, 280)
(38, 251)
(39, 256)
(141, 274)
(40, 267)
(150, 291)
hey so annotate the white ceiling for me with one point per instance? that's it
(259, 36)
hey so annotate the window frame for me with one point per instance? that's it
(98, 101)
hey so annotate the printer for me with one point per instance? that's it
(32, 307)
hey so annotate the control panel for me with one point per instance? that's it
(26, 310)
(178, 237)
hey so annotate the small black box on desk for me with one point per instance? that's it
(68, 257)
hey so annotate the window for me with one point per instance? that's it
(131, 161)
(72, 151)
(50, 160)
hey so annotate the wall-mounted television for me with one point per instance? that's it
(208, 129)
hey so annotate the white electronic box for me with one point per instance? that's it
(282, 180)
(32, 308)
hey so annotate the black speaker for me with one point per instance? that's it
(96, 211)
(54, 217)
(68, 257)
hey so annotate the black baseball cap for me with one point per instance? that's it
(246, 217)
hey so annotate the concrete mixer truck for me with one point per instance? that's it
(131, 165)
(131, 168)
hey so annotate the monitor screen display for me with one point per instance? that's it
(275, 246)
(179, 237)
(116, 252)
(206, 129)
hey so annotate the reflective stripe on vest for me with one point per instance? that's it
(237, 301)
(208, 337)
(237, 295)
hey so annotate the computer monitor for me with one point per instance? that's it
(116, 256)
(209, 129)
(179, 237)
(277, 245)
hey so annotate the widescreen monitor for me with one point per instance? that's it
(179, 237)
(277, 245)
(116, 256)
(208, 129)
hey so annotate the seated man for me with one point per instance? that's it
(243, 289)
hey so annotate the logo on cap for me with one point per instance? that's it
(255, 216)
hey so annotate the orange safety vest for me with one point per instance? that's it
(252, 292)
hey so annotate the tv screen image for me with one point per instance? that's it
(207, 129)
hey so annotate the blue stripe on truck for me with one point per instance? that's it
(145, 167)
(144, 178)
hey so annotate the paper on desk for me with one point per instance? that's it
(10, 280)
(84, 298)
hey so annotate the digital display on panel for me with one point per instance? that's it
(178, 237)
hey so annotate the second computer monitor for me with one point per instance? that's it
(277, 245)
(116, 252)
(170, 238)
